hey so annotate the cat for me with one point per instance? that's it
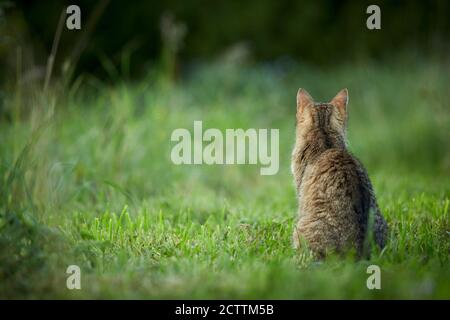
(337, 207)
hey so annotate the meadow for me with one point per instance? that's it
(86, 178)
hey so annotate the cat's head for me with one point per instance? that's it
(329, 118)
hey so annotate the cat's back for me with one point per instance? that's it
(335, 175)
(336, 185)
(334, 200)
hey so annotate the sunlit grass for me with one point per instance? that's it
(87, 179)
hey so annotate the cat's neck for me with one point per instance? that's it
(318, 141)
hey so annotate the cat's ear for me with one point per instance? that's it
(340, 101)
(303, 99)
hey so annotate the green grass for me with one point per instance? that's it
(86, 179)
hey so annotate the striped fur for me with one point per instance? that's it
(335, 195)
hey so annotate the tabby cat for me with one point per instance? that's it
(337, 207)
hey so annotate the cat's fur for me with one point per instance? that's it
(336, 202)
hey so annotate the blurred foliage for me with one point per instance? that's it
(86, 179)
(73, 156)
(130, 35)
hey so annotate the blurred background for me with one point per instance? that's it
(135, 37)
(86, 118)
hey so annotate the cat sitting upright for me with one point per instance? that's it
(336, 202)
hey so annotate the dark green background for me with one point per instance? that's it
(319, 32)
